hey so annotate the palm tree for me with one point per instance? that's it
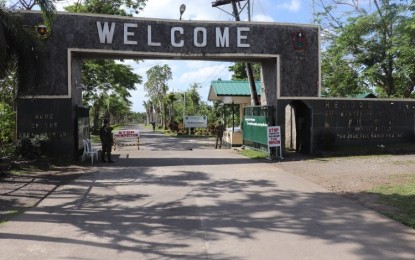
(171, 97)
(149, 111)
(14, 39)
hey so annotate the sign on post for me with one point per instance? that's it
(274, 139)
(195, 121)
(126, 137)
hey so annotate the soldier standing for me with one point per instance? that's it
(219, 135)
(105, 134)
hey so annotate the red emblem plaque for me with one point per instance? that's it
(299, 41)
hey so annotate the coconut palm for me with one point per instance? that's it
(14, 39)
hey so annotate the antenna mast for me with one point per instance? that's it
(249, 72)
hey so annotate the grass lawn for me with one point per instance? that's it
(401, 197)
(253, 154)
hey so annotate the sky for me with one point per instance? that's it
(186, 73)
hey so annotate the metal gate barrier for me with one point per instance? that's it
(126, 138)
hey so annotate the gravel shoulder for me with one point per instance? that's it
(354, 176)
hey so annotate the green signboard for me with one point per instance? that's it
(254, 126)
(255, 129)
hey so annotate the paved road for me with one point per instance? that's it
(175, 199)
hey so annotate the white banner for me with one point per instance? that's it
(195, 121)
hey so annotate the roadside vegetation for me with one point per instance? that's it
(253, 154)
(399, 199)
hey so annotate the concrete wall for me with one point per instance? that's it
(356, 122)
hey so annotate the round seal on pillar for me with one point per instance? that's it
(42, 31)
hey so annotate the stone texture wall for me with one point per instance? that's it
(299, 68)
(356, 122)
(47, 94)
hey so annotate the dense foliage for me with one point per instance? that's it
(368, 48)
(107, 89)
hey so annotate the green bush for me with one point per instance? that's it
(31, 148)
(7, 123)
(7, 150)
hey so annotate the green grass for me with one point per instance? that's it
(116, 127)
(95, 139)
(253, 154)
(9, 215)
(23, 170)
(401, 197)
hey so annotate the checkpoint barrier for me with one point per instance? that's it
(126, 138)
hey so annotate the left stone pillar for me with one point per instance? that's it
(46, 100)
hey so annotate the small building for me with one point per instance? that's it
(236, 92)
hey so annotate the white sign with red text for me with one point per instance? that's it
(274, 136)
(274, 139)
(127, 134)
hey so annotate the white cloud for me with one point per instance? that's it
(203, 74)
(293, 5)
(262, 18)
(61, 4)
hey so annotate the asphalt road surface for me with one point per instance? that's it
(178, 198)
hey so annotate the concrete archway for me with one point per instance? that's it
(298, 118)
(48, 103)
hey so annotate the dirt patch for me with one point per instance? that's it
(19, 192)
(354, 177)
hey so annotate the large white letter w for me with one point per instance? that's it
(105, 34)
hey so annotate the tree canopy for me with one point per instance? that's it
(239, 71)
(370, 50)
(112, 7)
(156, 88)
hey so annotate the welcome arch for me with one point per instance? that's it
(288, 53)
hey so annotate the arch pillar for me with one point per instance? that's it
(269, 82)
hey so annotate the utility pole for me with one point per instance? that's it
(248, 66)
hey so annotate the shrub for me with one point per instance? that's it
(7, 150)
(7, 123)
(31, 148)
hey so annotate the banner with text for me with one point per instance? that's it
(195, 121)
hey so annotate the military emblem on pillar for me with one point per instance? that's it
(299, 41)
(42, 31)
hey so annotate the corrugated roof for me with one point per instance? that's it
(234, 87)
